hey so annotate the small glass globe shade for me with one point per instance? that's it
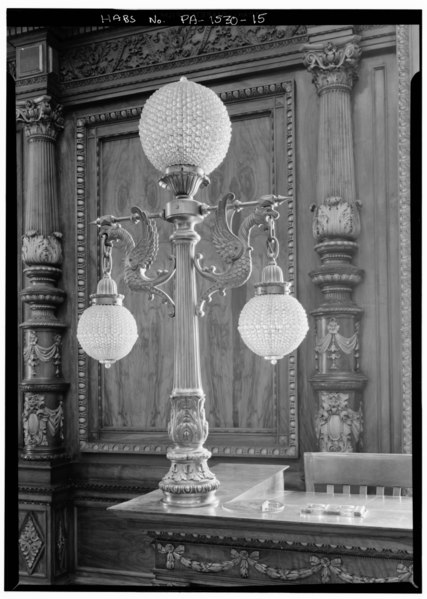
(273, 325)
(185, 123)
(107, 332)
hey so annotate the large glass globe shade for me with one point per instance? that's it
(273, 325)
(106, 330)
(185, 123)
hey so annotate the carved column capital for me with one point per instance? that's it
(41, 116)
(333, 66)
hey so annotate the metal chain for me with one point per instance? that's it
(272, 241)
(106, 256)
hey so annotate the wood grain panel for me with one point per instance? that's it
(105, 543)
(375, 141)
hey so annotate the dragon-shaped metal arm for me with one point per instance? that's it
(234, 250)
(140, 256)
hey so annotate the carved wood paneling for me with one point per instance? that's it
(251, 565)
(147, 51)
(251, 407)
(129, 554)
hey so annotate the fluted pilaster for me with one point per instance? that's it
(43, 385)
(338, 380)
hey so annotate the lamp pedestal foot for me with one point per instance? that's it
(189, 481)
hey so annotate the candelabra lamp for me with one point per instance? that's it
(185, 132)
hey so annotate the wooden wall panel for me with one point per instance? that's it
(107, 547)
(375, 114)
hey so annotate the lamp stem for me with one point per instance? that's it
(189, 480)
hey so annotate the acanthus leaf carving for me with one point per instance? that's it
(39, 420)
(41, 116)
(336, 217)
(188, 426)
(338, 427)
(332, 65)
(42, 249)
(166, 46)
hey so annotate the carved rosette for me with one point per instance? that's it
(337, 380)
(43, 385)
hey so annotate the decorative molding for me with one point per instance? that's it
(336, 217)
(35, 353)
(159, 444)
(42, 249)
(338, 427)
(333, 343)
(162, 447)
(134, 54)
(31, 542)
(282, 544)
(39, 420)
(333, 67)
(404, 149)
(41, 116)
(245, 561)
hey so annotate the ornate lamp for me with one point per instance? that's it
(107, 330)
(273, 323)
(185, 132)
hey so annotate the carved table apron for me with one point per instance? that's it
(234, 543)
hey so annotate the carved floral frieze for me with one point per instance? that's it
(246, 561)
(338, 427)
(168, 45)
(41, 116)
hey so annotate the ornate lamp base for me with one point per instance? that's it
(189, 481)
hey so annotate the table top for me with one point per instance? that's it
(382, 513)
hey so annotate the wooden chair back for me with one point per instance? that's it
(360, 470)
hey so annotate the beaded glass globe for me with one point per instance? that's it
(185, 123)
(106, 330)
(273, 323)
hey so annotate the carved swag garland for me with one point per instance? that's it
(245, 561)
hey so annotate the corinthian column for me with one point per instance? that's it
(337, 381)
(43, 385)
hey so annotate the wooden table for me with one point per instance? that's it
(234, 543)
